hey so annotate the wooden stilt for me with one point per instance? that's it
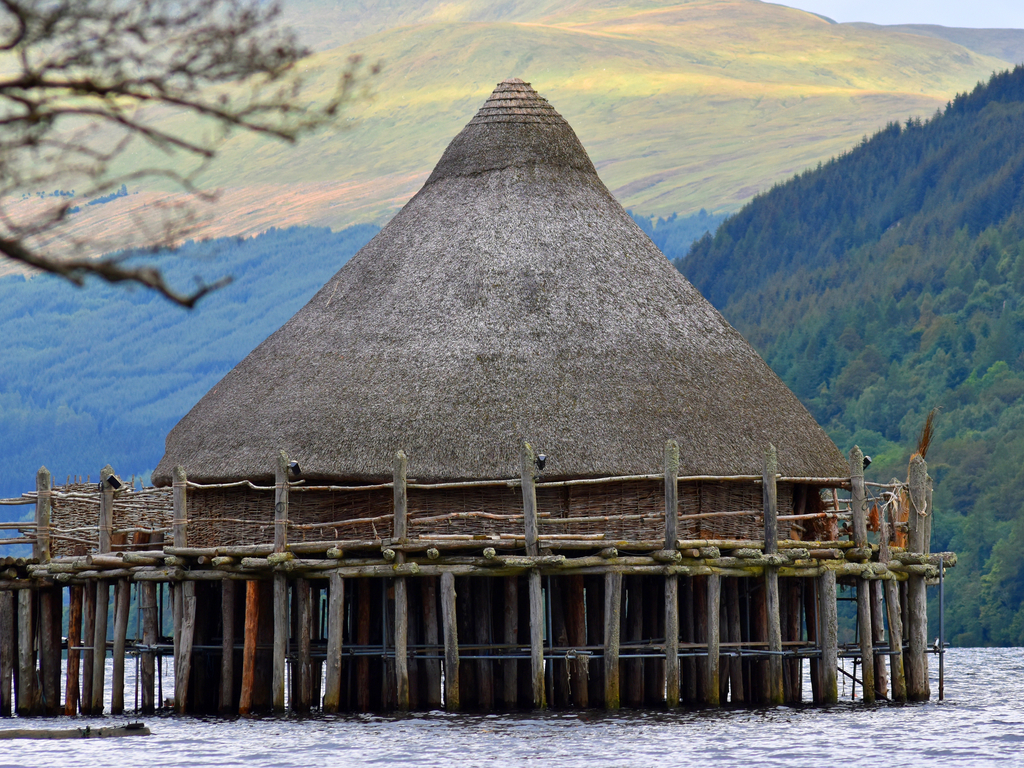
(401, 589)
(99, 643)
(483, 619)
(451, 642)
(51, 611)
(634, 632)
(732, 603)
(776, 693)
(363, 639)
(829, 637)
(510, 637)
(122, 601)
(793, 668)
(536, 640)
(575, 609)
(252, 623)
(859, 515)
(304, 666)
(672, 641)
(811, 623)
(280, 640)
(711, 690)
(916, 663)
(878, 637)
(335, 630)
(432, 667)
(612, 620)
(183, 668)
(225, 698)
(89, 639)
(724, 636)
(72, 682)
(7, 653)
(147, 664)
(26, 693)
(594, 589)
(689, 666)
(892, 604)
(760, 684)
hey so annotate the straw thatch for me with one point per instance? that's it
(511, 299)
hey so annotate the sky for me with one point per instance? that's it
(948, 13)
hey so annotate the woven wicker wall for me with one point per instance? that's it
(75, 510)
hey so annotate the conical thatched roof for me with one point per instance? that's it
(511, 299)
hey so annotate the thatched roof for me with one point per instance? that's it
(511, 299)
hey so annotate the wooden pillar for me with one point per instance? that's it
(634, 693)
(71, 686)
(432, 667)
(576, 629)
(829, 637)
(335, 631)
(918, 687)
(793, 668)
(671, 580)
(859, 512)
(892, 604)
(451, 642)
(7, 652)
(90, 590)
(688, 669)
(732, 608)
(280, 583)
(612, 622)
(878, 637)
(811, 623)
(122, 602)
(106, 522)
(27, 693)
(252, 623)
(711, 681)
(528, 462)
(362, 631)
(304, 666)
(776, 694)
(99, 644)
(147, 663)
(401, 588)
(225, 699)
(183, 667)
(41, 546)
(510, 636)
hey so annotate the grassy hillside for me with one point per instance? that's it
(888, 282)
(682, 105)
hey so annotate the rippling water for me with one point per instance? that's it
(980, 723)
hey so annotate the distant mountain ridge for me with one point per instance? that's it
(890, 281)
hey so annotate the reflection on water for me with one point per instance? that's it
(980, 723)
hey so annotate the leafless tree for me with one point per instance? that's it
(85, 83)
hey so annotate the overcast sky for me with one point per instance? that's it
(948, 13)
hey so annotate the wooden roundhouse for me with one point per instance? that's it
(508, 457)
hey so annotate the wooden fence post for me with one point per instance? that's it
(776, 690)
(41, 547)
(536, 601)
(672, 580)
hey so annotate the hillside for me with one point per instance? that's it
(683, 105)
(889, 281)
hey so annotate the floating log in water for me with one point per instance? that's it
(88, 732)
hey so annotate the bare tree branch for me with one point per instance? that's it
(83, 80)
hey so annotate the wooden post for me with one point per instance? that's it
(878, 637)
(401, 588)
(829, 635)
(122, 601)
(711, 680)
(859, 511)
(41, 547)
(362, 621)
(280, 583)
(89, 638)
(252, 623)
(634, 634)
(106, 523)
(690, 692)
(51, 611)
(335, 630)
(776, 690)
(428, 587)
(510, 688)
(27, 694)
(7, 652)
(576, 628)
(892, 604)
(918, 688)
(71, 686)
(528, 462)
(812, 625)
(612, 622)
(183, 667)
(303, 702)
(451, 642)
(225, 700)
(672, 580)
(147, 665)
(732, 607)
(99, 645)
(793, 668)
(179, 528)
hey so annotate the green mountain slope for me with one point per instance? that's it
(683, 105)
(890, 281)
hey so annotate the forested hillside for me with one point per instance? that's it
(101, 375)
(889, 281)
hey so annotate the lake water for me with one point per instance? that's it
(980, 723)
